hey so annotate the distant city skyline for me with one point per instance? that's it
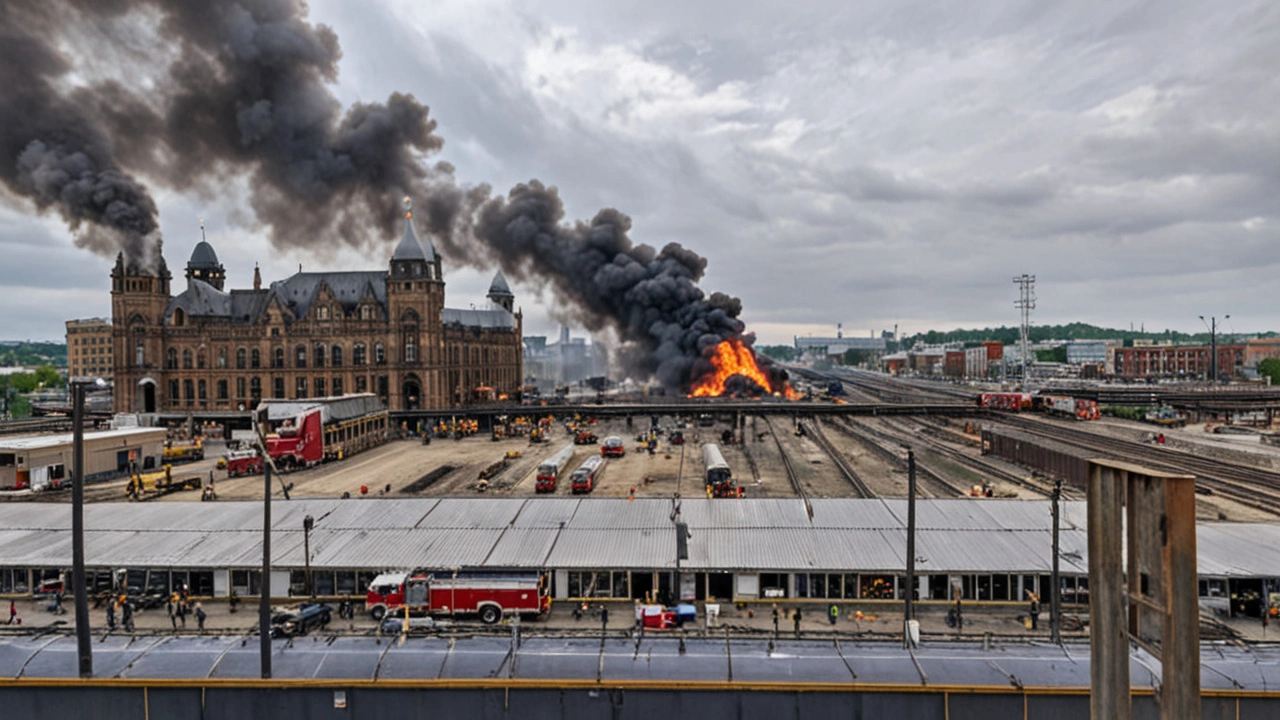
(874, 165)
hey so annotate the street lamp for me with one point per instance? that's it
(307, 523)
(84, 646)
(908, 606)
(1212, 324)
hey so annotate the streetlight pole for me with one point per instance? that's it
(84, 645)
(307, 523)
(1055, 592)
(909, 608)
(1212, 324)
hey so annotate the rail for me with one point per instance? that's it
(814, 431)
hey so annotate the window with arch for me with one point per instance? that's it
(240, 358)
(240, 388)
(222, 358)
(255, 387)
(322, 312)
(335, 357)
(204, 390)
(337, 386)
(255, 359)
(173, 392)
(171, 360)
(366, 312)
(139, 355)
(358, 354)
(379, 354)
(319, 355)
(179, 317)
(319, 386)
(186, 361)
(411, 345)
(222, 389)
(200, 360)
(188, 391)
(278, 360)
(300, 357)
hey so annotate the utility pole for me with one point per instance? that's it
(1026, 302)
(308, 522)
(1055, 592)
(908, 607)
(84, 644)
(1212, 324)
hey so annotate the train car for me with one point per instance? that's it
(583, 480)
(551, 469)
(1013, 402)
(1068, 406)
(719, 477)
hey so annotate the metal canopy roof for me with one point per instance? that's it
(616, 659)
(846, 535)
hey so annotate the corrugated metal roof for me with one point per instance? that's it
(764, 534)
(36, 442)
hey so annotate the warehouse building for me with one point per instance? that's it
(45, 460)
(752, 549)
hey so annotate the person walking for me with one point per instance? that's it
(111, 613)
(200, 616)
(13, 613)
(833, 613)
(775, 619)
(604, 619)
(1034, 610)
(126, 615)
(959, 617)
(182, 613)
(796, 620)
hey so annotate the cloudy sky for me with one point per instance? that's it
(864, 163)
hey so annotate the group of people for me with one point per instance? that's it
(180, 606)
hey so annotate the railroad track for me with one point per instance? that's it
(786, 463)
(879, 441)
(814, 430)
(1252, 487)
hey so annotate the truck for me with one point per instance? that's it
(487, 595)
(550, 470)
(583, 480)
(243, 462)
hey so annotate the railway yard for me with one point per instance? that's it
(777, 456)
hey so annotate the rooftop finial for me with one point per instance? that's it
(202, 237)
(408, 207)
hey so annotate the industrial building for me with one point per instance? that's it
(40, 460)
(751, 549)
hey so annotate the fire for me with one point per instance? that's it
(733, 358)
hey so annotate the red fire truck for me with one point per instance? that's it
(487, 595)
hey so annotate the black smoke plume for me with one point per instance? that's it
(211, 89)
(207, 91)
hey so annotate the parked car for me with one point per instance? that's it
(308, 617)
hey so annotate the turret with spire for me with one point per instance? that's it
(500, 293)
(204, 264)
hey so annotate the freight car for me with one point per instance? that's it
(1015, 402)
(1068, 406)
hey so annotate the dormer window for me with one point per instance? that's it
(366, 312)
(322, 312)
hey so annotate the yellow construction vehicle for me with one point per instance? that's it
(161, 482)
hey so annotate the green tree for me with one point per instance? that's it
(1270, 368)
(47, 376)
(1058, 355)
(854, 356)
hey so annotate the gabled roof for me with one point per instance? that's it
(202, 300)
(299, 291)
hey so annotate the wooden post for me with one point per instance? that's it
(1109, 646)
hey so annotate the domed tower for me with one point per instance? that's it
(204, 264)
(500, 293)
(415, 300)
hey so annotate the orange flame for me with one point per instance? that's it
(733, 358)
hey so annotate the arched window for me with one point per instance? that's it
(239, 388)
(173, 392)
(278, 360)
(335, 358)
(255, 388)
(319, 355)
(300, 358)
(188, 390)
(357, 354)
(255, 359)
(204, 390)
(222, 389)
(186, 362)
(379, 354)
(322, 312)
(222, 358)
(240, 358)
(171, 360)
(139, 355)
(411, 345)
(179, 317)
(200, 360)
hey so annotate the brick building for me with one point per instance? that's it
(89, 349)
(310, 335)
(1178, 360)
